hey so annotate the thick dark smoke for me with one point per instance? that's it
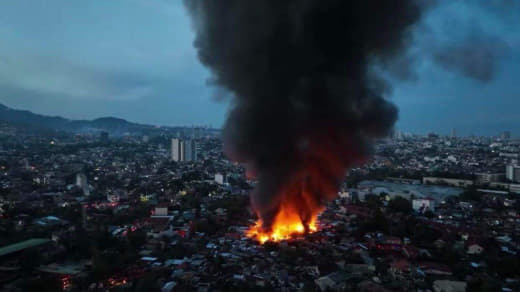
(476, 57)
(306, 104)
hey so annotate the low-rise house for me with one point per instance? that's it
(400, 267)
(423, 204)
(332, 282)
(475, 249)
(449, 286)
(435, 269)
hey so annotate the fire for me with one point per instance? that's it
(290, 207)
(287, 224)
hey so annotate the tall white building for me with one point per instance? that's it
(177, 150)
(513, 172)
(190, 150)
(82, 183)
(184, 150)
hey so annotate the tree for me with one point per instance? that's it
(373, 201)
(377, 223)
(429, 214)
(507, 266)
(101, 268)
(471, 194)
(44, 284)
(147, 284)
(400, 204)
(137, 238)
(30, 259)
(481, 283)
(424, 234)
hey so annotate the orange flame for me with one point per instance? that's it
(286, 225)
(307, 187)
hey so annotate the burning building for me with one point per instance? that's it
(307, 94)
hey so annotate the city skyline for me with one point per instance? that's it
(504, 134)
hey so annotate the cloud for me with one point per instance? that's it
(56, 76)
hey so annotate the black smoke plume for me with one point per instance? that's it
(476, 57)
(306, 104)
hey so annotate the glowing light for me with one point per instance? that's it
(287, 224)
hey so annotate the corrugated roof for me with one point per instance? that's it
(8, 249)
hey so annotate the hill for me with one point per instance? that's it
(28, 119)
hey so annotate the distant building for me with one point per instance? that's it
(506, 135)
(485, 178)
(447, 181)
(423, 204)
(177, 150)
(453, 133)
(475, 249)
(509, 155)
(220, 178)
(82, 183)
(197, 132)
(449, 286)
(513, 172)
(184, 150)
(514, 188)
(161, 210)
(190, 150)
(113, 198)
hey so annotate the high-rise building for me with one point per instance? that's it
(184, 150)
(177, 150)
(453, 133)
(506, 135)
(190, 150)
(513, 172)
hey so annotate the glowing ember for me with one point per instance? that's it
(287, 224)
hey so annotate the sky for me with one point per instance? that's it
(134, 59)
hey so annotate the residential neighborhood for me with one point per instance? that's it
(83, 213)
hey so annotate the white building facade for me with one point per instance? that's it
(184, 150)
(423, 205)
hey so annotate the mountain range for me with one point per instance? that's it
(29, 119)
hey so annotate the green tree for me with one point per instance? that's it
(147, 284)
(377, 223)
(137, 238)
(400, 204)
(44, 284)
(429, 214)
(483, 283)
(471, 194)
(30, 259)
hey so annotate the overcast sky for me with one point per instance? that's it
(134, 59)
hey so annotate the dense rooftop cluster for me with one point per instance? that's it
(433, 155)
(81, 213)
